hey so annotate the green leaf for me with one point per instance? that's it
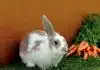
(90, 30)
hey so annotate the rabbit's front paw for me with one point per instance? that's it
(30, 64)
(56, 65)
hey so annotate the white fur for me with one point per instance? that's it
(45, 56)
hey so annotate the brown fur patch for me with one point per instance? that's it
(37, 44)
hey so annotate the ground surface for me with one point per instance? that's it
(69, 63)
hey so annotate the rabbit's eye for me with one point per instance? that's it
(57, 43)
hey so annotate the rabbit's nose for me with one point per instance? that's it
(65, 49)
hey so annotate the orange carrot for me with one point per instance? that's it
(89, 50)
(78, 53)
(94, 50)
(85, 55)
(72, 51)
(94, 47)
(71, 47)
(83, 45)
(93, 54)
(98, 50)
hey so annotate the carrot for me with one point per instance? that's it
(94, 47)
(85, 55)
(72, 51)
(83, 45)
(89, 50)
(98, 50)
(78, 53)
(93, 54)
(71, 47)
(94, 50)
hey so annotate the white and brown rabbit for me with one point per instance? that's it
(43, 48)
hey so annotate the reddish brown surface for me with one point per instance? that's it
(17, 17)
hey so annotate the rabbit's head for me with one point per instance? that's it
(57, 43)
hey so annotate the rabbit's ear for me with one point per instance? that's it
(48, 27)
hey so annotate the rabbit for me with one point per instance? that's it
(43, 48)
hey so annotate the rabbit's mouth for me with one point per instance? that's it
(64, 49)
(65, 52)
